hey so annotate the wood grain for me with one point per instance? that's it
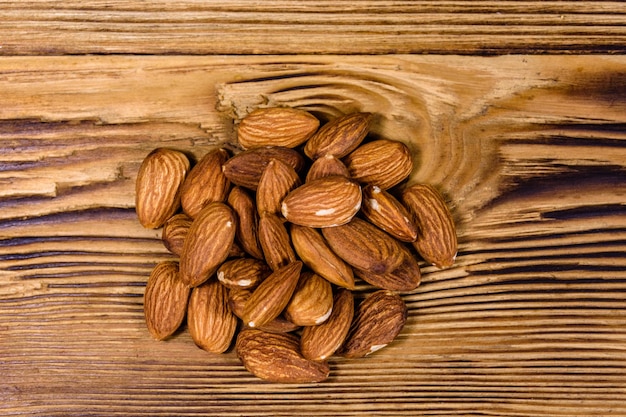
(529, 151)
(237, 27)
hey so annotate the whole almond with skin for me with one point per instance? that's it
(320, 342)
(270, 298)
(208, 243)
(364, 246)
(242, 272)
(383, 210)
(275, 241)
(165, 300)
(377, 321)
(275, 357)
(382, 162)
(339, 136)
(210, 321)
(276, 181)
(248, 221)
(205, 183)
(277, 126)
(404, 277)
(237, 299)
(436, 241)
(158, 186)
(324, 202)
(175, 231)
(245, 168)
(311, 302)
(313, 250)
(325, 166)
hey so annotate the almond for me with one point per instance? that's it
(205, 183)
(339, 136)
(311, 302)
(321, 341)
(436, 241)
(275, 357)
(242, 272)
(158, 184)
(270, 298)
(404, 277)
(175, 231)
(248, 221)
(276, 181)
(275, 241)
(165, 300)
(383, 210)
(324, 202)
(237, 299)
(279, 325)
(364, 246)
(278, 126)
(208, 243)
(382, 162)
(377, 322)
(235, 250)
(313, 250)
(210, 321)
(245, 168)
(326, 166)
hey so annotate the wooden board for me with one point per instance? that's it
(529, 151)
(44, 27)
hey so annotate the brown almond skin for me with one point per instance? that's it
(205, 183)
(279, 325)
(325, 166)
(165, 300)
(270, 298)
(210, 321)
(377, 321)
(311, 302)
(324, 202)
(339, 136)
(245, 168)
(242, 273)
(275, 241)
(436, 241)
(313, 250)
(403, 278)
(275, 357)
(175, 232)
(237, 299)
(364, 246)
(385, 211)
(382, 162)
(277, 126)
(208, 243)
(320, 342)
(248, 221)
(158, 186)
(277, 180)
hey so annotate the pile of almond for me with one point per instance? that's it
(272, 238)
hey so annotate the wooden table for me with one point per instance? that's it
(515, 110)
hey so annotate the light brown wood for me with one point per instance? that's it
(45, 27)
(529, 151)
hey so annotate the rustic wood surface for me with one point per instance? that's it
(43, 27)
(528, 149)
